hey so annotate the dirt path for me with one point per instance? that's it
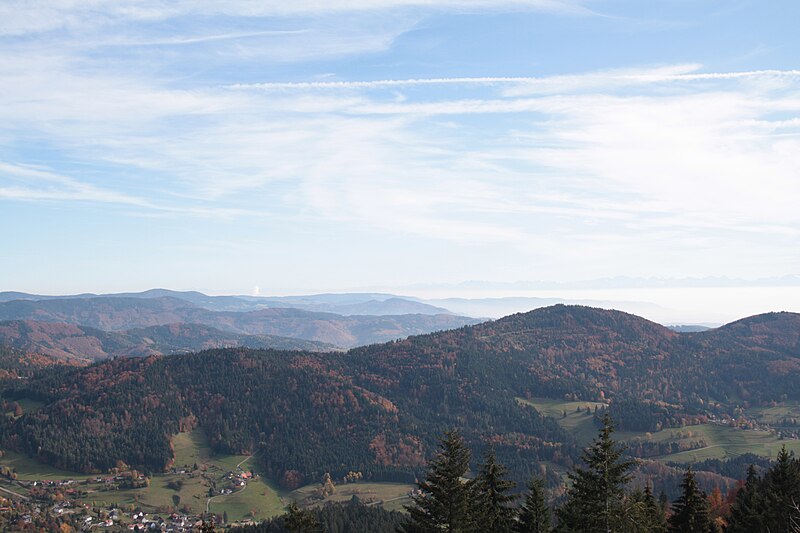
(238, 467)
(16, 494)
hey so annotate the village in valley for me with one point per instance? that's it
(197, 489)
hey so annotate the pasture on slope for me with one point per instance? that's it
(722, 442)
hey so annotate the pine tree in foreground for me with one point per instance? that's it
(534, 515)
(643, 514)
(444, 503)
(747, 513)
(595, 500)
(492, 507)
(782, 494)
(297, 520)
(690, 510)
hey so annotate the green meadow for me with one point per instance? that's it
(721, 441)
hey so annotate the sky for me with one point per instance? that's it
(275, 147)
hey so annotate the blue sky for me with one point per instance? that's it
(338, 145)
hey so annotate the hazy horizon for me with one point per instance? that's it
(403, 145)
(668, 305)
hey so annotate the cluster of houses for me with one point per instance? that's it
(239, 479)
(174, 522)
(116, 520)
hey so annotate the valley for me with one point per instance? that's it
(199, 482)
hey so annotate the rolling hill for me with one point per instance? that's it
(82, 344)
(15, 364)
(377, 304)
(379, 408)
(117, 314)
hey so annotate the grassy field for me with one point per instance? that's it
(32, 470)
(722, 441)
(774, 416)
(579, 424)
(30, 406)
(190, 448)
(391, 495)
(258, 496)
(726, 442)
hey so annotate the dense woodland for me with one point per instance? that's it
(375, 409)
(15, 364)
(601, 498)
(353, 517)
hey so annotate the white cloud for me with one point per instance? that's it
(20, 17)
(596, 159)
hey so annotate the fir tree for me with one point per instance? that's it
(298, 521)
(595, 500)
(690, 510)
(782, 484)
(534, 515)
(643, 514)
(747, 513)
(444, 503)
(492, 506)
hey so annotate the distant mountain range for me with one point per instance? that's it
(69, 342)
(368, 303)
(376, 304)
(228, 321)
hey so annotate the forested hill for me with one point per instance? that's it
(82, 344)
(589, 353)
(377, 409)
(16, 363)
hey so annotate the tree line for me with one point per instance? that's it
(598, 498)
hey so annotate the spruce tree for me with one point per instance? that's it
(534, 515)
(782, 493)
(443, 504)
(492, 506)
(643, 514)
(595, 499)
(297, 520)
(690, 510)
(747, 512)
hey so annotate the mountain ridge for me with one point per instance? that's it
(378, 408)
(114, 314)
(83, 344)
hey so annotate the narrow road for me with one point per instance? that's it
(238, 467)
(16, 494)
(243, 461)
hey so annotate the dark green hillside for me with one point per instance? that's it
(377, 409)
(304, 412)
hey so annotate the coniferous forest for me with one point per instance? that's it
(600, 498)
